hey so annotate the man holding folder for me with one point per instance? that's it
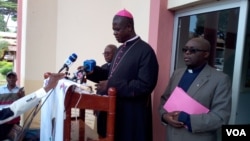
(197, 100)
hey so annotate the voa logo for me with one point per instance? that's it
(236, 132)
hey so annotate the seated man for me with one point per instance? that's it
(29, 101)
(9, 93)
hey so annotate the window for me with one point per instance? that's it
(219, 29)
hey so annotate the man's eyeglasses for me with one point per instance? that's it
(193, 50)
(106, 53)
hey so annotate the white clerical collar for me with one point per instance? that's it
(132, 39)
(190, 70)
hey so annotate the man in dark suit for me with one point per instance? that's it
(108, 53)
(205, 84)
(134, 74)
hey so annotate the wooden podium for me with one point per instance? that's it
(82, 101)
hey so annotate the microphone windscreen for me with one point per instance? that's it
(73, 57)
(89, 65)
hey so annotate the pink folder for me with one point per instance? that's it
(179, 100)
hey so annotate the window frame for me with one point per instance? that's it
(239, 51)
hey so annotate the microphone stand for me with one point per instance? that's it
(67, 72)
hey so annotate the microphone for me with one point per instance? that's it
(79, 75)
(72, 58)
(89, 65)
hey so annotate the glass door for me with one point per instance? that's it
(223, 25)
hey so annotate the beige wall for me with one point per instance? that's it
(38, 42)
(178, 4)
(56, 29)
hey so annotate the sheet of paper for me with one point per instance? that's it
(179, 100)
